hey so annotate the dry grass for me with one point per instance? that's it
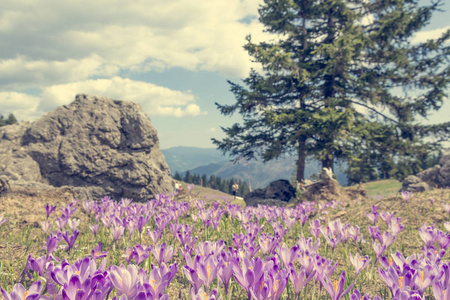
(22, 235)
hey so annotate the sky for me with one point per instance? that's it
(173, 57)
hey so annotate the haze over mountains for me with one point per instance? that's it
(211, 161)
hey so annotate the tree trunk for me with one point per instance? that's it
(328, 163)
(301, 161)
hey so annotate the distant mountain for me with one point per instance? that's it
(261, 174)
(210, 161)
(180, 159)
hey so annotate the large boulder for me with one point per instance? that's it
(97, 145)
(277, 193)
(436, 176)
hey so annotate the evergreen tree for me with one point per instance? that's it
(177, 176)
(301, 104)
(9, 121)
(328, 64)
(204, 180)
(188, 177)
(212, 181)
(407, 80)
(225, 187)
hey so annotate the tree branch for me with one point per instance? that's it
(374, 110)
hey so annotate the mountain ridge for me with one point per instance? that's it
(210, 161)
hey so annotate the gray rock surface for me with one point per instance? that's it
(277, 193)
(97, 145)
(437, 176)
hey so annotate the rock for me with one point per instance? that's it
(411, 179)
(4, 184)
(418, 187)
(277, 193)
(99, 146)
(436, 176)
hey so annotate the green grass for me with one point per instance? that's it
(381, 187)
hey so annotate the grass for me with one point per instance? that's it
(21, 236)
(381, 187)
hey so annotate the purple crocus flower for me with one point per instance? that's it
(387, 216)
(157, 281)
(429, 234)
(406, 195)
(336, 291)
(207, 270)
(287, 256)
(162, 253)
(202, 295)
(356, 295)
(46, 225)
(125, 280)
(444, 239)
(332, 239)
(73, 223)
(49, 209)
(423, 279)
(193, 278)
(248, 273)
(379, 249)
(307, 246)
(186, 239)
(315, 228)
(373, 217)
(70, 239)
(395, 226)
(94, 228)
(116, 232)
(141, 253)
(20, 293)
(52, 243)
(155, 235)
(225, 270)
(97, 252)
(61, 222)
(359, 263)
(387, 238)
(267, 243)
(238, 240)
(299, 280)
(303, 218)
(375, 233)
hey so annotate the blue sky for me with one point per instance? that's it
(173, 57)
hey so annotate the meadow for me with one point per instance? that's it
(201, 246)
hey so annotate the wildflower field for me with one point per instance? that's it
(194, 248)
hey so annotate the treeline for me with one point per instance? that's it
(214, 182)
(9, 121)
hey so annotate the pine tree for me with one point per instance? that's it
(326, 65)
(301, 104)
(188, 177)
(407, 81)
(11, 119)
(177, 176)
(212, 181)
(204, 180)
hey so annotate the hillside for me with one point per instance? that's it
(209, 161)
(180, 159)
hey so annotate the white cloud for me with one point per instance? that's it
(423, 36)
(50, 42)
(155, 100)
(23, 106)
